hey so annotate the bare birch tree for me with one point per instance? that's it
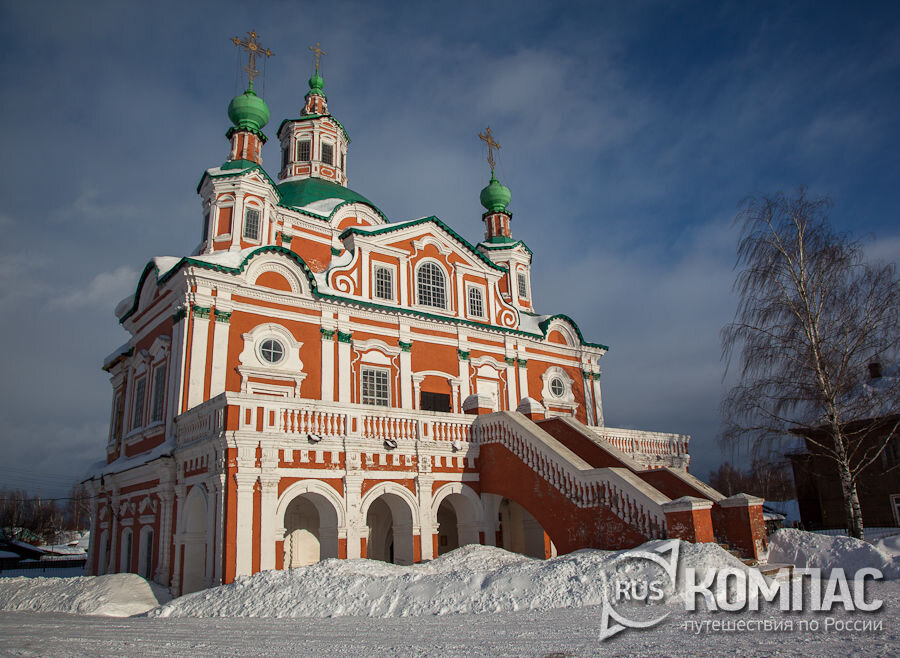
(812, 315)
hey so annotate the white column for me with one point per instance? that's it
(403, 276)
(198, 355)
(464, 372)
(428, 525)
(588, 397)
(175, 585)
(327, 364)
(220, 348)
(406, 394)
(175, 394)
(523, 378)
(511, 399)
(356, 523)
(112, 562)
(417, 384)
(598, 402)
(209, 576)
(244, 540)
(269, 483)
(163, 568)
(219, 499)
(344, 366)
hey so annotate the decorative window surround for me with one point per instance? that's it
(290, 367)
(553, 378)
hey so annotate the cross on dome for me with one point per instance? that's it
(488, 139)
(319, 52)
(253, 48)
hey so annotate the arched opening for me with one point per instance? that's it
(145, 558)
(390, 524)
(457, 523)
(193, 572)
(103, 555)
(521, 533)
(310, 530)
(125, 561)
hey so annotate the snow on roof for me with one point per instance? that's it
(115, 354)
(322, 207)
(123, 305)
(123, 464)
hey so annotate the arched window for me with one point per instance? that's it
(145, 559)
(430, 286)
(126, 551)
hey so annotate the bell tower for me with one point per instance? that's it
(315, 144)
(248, 112)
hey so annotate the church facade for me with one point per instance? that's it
(317, 381)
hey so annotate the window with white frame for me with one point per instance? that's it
(303, 150)
(475, 300)
(327, 153)
(206, 225)
(159, 394)
(376, 387)
(118, 403)
(523, 286)
(251, 224)
(430, 286)
(137, 416)
(384, 282)
(271, 351)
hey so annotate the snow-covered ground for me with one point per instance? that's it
(474, 601)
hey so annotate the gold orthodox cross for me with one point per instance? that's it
(319, 52)
(488, 139)
(253, 48)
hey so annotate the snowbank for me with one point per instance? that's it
(472, 579)
(808, 549)
(115, 595)
(889, 546)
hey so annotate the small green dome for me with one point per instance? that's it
(248, 111)
(495, 197)
(316, 84)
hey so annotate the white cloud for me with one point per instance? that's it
(104, 290)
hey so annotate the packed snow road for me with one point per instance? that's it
(567, 632)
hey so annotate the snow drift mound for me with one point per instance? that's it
(808, 549)
(472, 579)
(115, 595)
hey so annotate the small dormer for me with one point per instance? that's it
(315, 144)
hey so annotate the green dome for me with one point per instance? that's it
(316, 84)
(495, 197)
(248, 111)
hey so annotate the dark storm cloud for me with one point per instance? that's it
(630, 133)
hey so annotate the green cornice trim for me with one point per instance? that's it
(344, 338)
(246, 129)
(405, 347)
(544, 324)
(239, 168)
(510, 360)
(463, 355)
(201, 312)
(179, 314)
(188, 261)
(222, 316)
(335, 251)
(327, 334)
(285, 238)
(389, 228)
(523, 363)
(309, 117)
(488, 213)
(498, 246)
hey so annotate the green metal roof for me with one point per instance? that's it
(300, 193)
(506, 243)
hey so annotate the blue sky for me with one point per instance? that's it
(631, 131)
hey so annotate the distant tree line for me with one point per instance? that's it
(765, 478)
(38, 520)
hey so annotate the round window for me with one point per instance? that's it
(271, 350)
(557, 387)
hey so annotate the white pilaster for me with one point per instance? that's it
(327, 364)
(199, 341)
(269, 483)
(356, 525)
(163, 567)
(344, 366)
(523, 377)
(598, 401)
(244, 540)
(222, 321)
